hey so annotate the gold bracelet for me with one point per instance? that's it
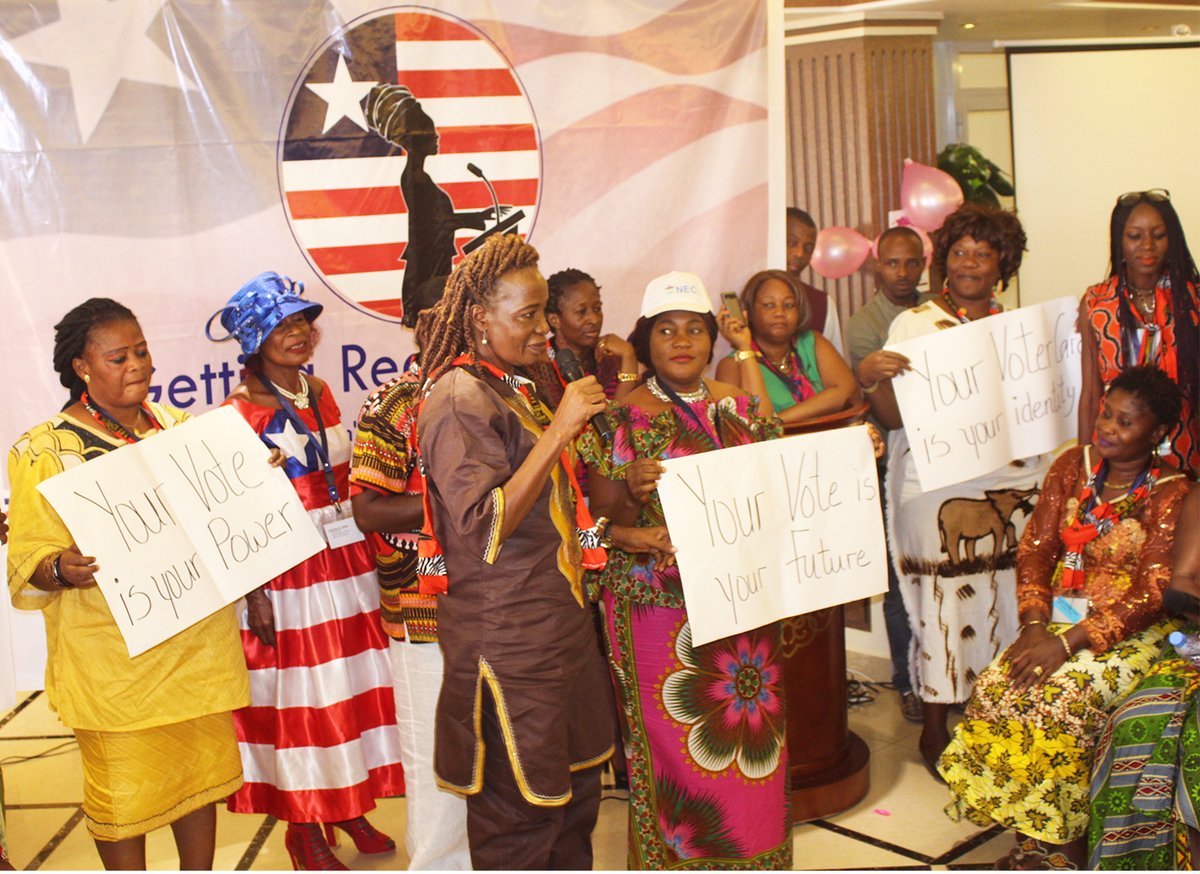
(622, 376)
(743, 354)
(1033, 622)
(1066, 644)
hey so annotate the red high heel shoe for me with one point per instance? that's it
(308, 850)
(367, 838)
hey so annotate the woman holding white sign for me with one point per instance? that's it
(319, 739)
(715, 795)
(1092, 567)
(958, 594)
(155, 732)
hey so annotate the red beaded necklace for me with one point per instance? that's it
(112, 425)
(993, 306)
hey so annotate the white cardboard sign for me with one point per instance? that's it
(775, 529)
(991, 391)
(183, 523)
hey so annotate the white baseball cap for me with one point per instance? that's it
(675, 291)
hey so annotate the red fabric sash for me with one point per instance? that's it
(431, 562)
(1094, 519)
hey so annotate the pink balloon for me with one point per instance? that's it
(928, 195)
(839, 252)
(905, 222)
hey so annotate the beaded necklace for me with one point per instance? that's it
(112, 425)
(993, 307)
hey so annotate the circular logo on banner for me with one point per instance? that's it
(407, 142)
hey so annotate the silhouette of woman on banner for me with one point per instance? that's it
(397, 116)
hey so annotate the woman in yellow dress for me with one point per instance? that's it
(156, 732)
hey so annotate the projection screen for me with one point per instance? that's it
(1089, 124)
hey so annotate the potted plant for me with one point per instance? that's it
(981, 181)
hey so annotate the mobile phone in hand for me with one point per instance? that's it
(730, 299)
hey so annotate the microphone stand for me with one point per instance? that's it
(495, 201)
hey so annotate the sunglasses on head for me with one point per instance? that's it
(1154, 195)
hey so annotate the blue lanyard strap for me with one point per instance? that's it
(713, 428)
(320, 446)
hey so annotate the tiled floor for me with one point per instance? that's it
(899, 824)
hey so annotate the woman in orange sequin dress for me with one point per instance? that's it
(1091, 570)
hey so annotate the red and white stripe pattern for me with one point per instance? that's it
(348, 212)
(319, 741)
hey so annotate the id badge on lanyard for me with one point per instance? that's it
(1068, 609)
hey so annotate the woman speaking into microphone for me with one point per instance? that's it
(523, 720)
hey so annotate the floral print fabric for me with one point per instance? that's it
(703, 727)
(1023, 757)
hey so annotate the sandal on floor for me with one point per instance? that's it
(1030, 855)
(910, 707)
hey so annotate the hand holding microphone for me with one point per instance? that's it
(572, 371)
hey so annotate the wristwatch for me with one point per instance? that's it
(743, 354)
(622, 376)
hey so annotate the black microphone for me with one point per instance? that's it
(475, 171)
(572, 370)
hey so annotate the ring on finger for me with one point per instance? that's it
(1038, 670)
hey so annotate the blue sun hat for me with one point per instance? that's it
(258, 306)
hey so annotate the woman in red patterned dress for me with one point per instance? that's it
(1146, 312)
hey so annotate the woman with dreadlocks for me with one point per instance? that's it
(522, 720)
(155, 732)
(1146, 313)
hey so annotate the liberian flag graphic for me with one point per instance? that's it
(341, 176)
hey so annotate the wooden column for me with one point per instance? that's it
(858, 105)
(860, 101)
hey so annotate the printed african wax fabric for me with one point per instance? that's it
(703, 726)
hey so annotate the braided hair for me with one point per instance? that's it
(473, 281)
(1181, 268)
(72, 333)
(558, 284)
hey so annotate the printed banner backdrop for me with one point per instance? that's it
(162, 152)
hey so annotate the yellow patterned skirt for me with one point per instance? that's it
(1023, 757)
(138, 781)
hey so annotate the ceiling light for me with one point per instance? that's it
(970, 25)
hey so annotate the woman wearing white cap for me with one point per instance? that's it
(715, 795)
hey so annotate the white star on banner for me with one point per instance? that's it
(100, 44)
(291, 441)
(343, 96)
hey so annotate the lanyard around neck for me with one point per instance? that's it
(320, 446)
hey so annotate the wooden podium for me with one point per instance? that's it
(828, 762)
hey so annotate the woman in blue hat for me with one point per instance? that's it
(319, 741)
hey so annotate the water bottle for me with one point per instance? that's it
(1187, 646)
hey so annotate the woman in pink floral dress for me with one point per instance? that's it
(703, 725)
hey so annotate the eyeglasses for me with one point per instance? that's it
(1154, 195)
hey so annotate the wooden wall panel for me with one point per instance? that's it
(856, 109)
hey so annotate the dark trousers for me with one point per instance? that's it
(506, 832)
(895, 617)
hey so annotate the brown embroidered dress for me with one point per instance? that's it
(515, 616)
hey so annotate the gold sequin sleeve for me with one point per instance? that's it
(1112, 619)
(1041, 546)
